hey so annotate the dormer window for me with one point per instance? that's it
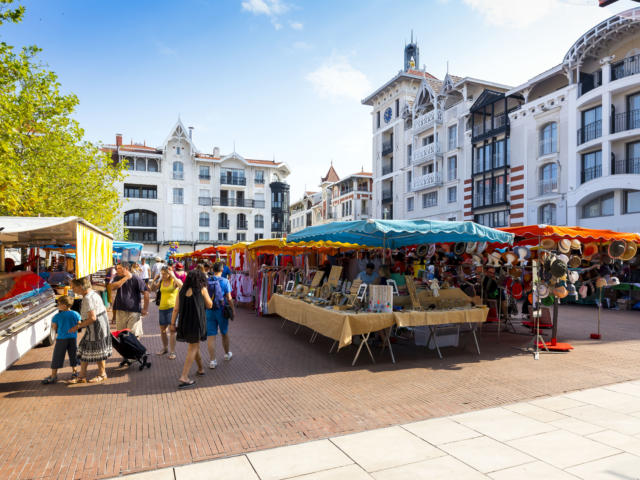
(177, 150)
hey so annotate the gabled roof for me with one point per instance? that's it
(179, 131)
(331, 176)
(409, 75)
(487, 97)
(110, 148)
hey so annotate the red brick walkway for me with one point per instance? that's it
(278, 390)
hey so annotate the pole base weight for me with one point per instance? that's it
(596, 336)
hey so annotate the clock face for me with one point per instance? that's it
(387, 115)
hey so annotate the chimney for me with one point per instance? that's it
(216, 151)
(190, 133)
(118, 139)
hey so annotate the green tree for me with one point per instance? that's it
(46, 168)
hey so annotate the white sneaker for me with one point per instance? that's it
(227, 356)
(213, 364)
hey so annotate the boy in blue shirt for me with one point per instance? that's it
(61, 323)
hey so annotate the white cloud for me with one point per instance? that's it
(301, 45)
(270, 8)
(337, 78)
(513, 13)
(296, 25)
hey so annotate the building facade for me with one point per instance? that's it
(177, 193)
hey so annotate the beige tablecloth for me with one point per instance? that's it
(334, 324)
(416, 318)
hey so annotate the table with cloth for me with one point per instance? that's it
(337, 325)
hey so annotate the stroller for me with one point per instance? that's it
(130, 348)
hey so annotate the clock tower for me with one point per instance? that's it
(411, 55)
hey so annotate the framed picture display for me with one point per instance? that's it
(362, 292)
(289, 287)
(394, 285)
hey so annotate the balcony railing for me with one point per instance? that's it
(205, 201)
(486, 129)
(427, 120)
(625, 121)
(234, 202)
(259, 224)
(178, 175)
(548, 185)
(243, 225)
(224, 180)
(223, 224)
(387, 169)
(277, 227)
(204, 177)
(591, 173)
(426, 153)
(426, 181)
(387, 195)
(547, 146)
(387, 148)
(589, 132)
(626, 165)
(258, 180)
(628, 66)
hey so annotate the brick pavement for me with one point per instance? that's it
(280, 390)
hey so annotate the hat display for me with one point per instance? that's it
(572, 290)
(522, 252)
(575, 261)
(459, 248)
(613, 281)
(481, 247)
(601, 282)
(617, 248)
(589, 250)
(542, 290)
(548, 301)
(471, 247)
(432, 250)
(515, 272)
(516, 290)
(421, 250)
(509, 258)
(561, 291)
(576, 245)
(494, 259)
(558, 268)
(477, 259)
(583, 291)
(629, 252)
(606, 259)
(564, 245)
(548, 244)
(563, 258)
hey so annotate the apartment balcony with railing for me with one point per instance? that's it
(547, 146)
(202, 176)
(226, 180)
(625, 68)
(223, 224)
(591, 173)
(387, 148)
(428, 120)
(426, 181)
(625, 121)
(387, 169)
(205, 201)
(625, 166)
(548, 185)
(589, 132)
(426, 153)
(236, 202)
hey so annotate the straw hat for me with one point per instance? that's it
(515, 272)
(477, 259)
(558, 268)
(564, 245)
(561, 291)
(522, 252)
(471, 247)
(617, 248)
(481, 247)
(601, 282)
(576, 245)
(494, 259)
(563, 258)
(543, 290)
(629, 252)
(589, 250)
(421, 250)
(575, 261)
(432, 250)
(573, 276)
(613, 281)
(509, 258)
(548, 244)
(445, 247)
(459, 248)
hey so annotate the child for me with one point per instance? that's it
(62, 322)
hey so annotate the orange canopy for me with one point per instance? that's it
(556, 233)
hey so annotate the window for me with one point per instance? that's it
(204, 173)
(397, 108)
(549, 139)
(452, 194)
(591, 125)
(241, 221)
(591, 166)
(178, 195)
(409, 179)
(242, 237)
(478, 194)
(258, 236)
(547, 214)
(410, 204)
(223, 220)
(177, 150)
(453, 137)
(493, 219)
(632, 201)
(152, 165)
(232, 176)
(222, 236)
(378, 119)
(204, 220)
(140, 218)
(142, 235)
(258, 221)
(452, 168)
(548, 180)
(429, 199)
(130, 163)
(140, 191)
(487, 157)
(500, 157)
(409, 151)
(141, 165)
(259, 178)
(600, 207)
(178, 171)
(203, 236)
(499, 191)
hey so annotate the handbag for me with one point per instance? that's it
(227, 312)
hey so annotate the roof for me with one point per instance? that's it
(487, 97)
(331, 176)
(309, 193)
(33, 231)
(542, 76)
(488, 83)
(131, 148)
(409, 74)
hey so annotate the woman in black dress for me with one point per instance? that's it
(192, 327)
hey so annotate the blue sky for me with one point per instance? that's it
(281, 78)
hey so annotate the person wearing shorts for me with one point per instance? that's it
(217, 321)
(168, 286)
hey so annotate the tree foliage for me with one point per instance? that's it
(46, 167)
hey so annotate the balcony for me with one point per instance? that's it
(387, 169)
(224, 180)
(204, 177)
(236, 202)
(487, 129)
(258, 180)
(426, 181)
(387, 148)
(547, 146)
(426, 153)
(625, 121)
(548, 185)
(178, 175)
(243, 225)
(223, 224)
(590, 132)
(259, 224)
(591, 173)
(387, 195)
(277, 227)
(625, 68)
(626, 166)
(428, 120)
(204, 201)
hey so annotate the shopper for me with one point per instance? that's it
(146, 271)
(218, 316)
(179, 271)
(167, 287)
(129, 288)
(95, 345)
(61, 323)
(191, 303)
(157, 268)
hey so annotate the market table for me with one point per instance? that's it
(337, 325)
(434, 318)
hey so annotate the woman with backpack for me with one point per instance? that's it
(191, 303)
(167, 287)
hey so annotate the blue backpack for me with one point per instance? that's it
(215, 292)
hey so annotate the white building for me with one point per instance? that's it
(577, 136)
(301, 212)
(176, 193)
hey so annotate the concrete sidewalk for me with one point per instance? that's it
(587, 434)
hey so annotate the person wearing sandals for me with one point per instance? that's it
(95, 345)
(192, 327)
(168, 287)
(61, 323)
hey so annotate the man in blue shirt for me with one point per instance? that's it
(215, 316)
(369, 276)
(226, 271)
